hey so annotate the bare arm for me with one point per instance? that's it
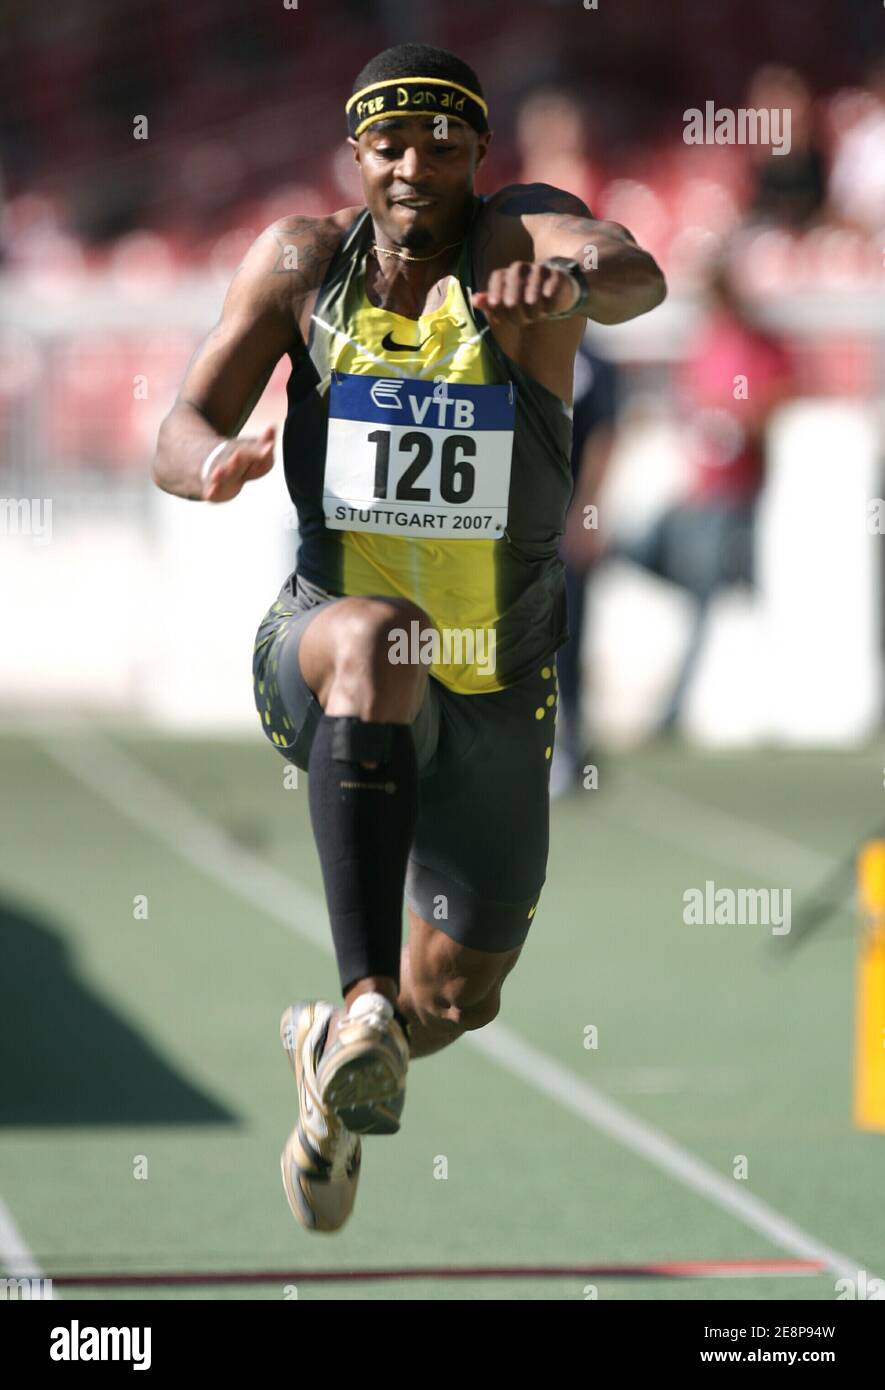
(624, 280)
(226, 378)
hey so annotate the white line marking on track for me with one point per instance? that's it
(660, 1081)
(16, 1258)
(557, 1082)
(153, 805)
(674, 818)
(149, 802)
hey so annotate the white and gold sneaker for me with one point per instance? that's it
(361, 1075)
(321, 1161)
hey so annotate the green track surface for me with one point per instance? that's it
(158, 1037)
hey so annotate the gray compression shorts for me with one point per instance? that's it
(479, 857)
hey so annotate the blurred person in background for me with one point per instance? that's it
(595, 413)
(790, 189)
(551, 139)
(4, 220)
(734, 377)
(857, 181)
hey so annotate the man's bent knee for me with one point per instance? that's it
(361, 674)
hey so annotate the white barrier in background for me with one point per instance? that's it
(152, 617)
(74, 615)
(155, 617)
(217, 568)
(797, 662)
(819, 575)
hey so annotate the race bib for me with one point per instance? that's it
(418, 458)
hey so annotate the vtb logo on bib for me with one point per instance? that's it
(418, 458)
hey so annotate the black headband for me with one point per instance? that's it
(415, 96)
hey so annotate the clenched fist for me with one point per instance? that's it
(525, 292)
(239, 462)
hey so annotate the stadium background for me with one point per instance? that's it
(117, 251)
(130, 744)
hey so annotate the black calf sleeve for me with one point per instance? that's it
(363, 823)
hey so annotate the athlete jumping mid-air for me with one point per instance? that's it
(407, 664)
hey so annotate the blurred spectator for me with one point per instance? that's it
(857, 181)
(733, 378)
(790, 189)
(595, 413)
(4, 221)
(252, 85)
(551, 138)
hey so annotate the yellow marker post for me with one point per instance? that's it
(869, 1036)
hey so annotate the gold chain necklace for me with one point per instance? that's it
(404, 255)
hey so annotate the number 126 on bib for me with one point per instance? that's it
(414, 458)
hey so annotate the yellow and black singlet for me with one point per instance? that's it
(424, 464)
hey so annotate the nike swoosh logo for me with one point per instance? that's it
(389, 345)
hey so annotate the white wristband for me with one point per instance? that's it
(204, 471)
